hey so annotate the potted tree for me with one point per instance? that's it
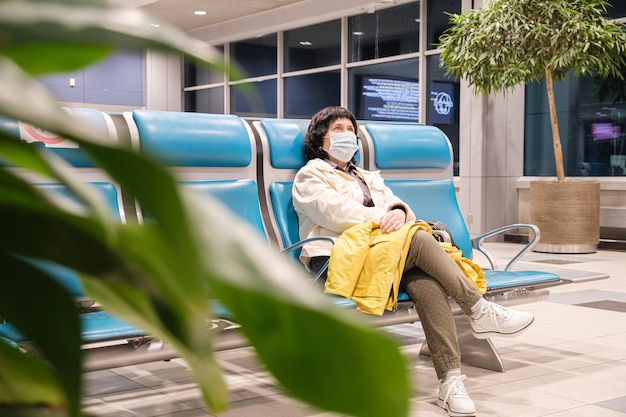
(510, 42)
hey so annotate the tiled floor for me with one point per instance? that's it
(571, 363)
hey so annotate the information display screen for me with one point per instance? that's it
(389, 99)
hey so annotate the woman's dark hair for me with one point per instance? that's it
(318, 127)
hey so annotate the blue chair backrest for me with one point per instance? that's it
(408, 146)
(240, 196)
(194, 139)
(416, 162)
(435, 200)
(284, 213)
(107, 190)
(100, 123)
(212, 154)
(285, 142)
(281, 143)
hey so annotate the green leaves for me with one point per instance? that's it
(509, 42)
(158, 276)
(25, 380)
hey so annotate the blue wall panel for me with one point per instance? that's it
(117, 80)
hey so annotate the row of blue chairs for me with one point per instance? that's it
(249, 165)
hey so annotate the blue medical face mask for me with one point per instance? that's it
(343, 145)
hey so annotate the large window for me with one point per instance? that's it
(206, 88)
(257, 99)
(306, 94)
(256, 56)
(592, 125)
(313, 46)
(384, 33)
(206, 100)
(438, 20)
(442, 107)
(616, 9)
(198, 75)
(601, 125)
(310, 82)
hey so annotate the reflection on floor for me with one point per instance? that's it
(571, 363)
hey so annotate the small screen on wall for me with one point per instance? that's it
(442, 100)
(604, 131)
(389, 99)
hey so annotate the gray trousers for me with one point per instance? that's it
(430, 277)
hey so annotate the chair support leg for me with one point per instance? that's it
(475, 352)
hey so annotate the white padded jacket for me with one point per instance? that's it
(329, 201)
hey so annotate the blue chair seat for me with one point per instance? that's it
(404, 297)
(96, 327)
(218, 310)
(500, 280)
(497, 280)
(100, 325)
(239, 196)
(342, 301)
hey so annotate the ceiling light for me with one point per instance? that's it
(306, 43)
(358, 33)
(200, 12)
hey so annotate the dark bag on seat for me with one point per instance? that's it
(440, 232)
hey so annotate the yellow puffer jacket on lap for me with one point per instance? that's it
(366, 265)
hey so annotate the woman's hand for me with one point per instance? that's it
(393, 220)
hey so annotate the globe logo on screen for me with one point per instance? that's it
(443, 103)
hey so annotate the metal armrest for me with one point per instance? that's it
(477, 243)
(301, 243)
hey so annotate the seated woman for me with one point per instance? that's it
(331, 195)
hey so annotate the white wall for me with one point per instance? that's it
(164, 81)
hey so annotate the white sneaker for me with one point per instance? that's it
(454, 399)
(496, 320)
